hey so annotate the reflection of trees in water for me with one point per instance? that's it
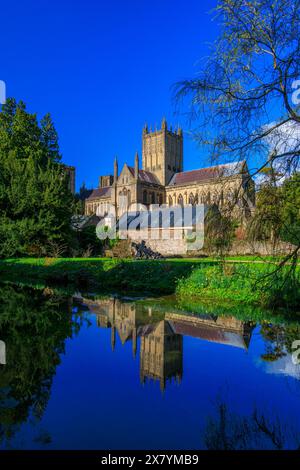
(34, 325)
(230, 431)
(278, 353)
(279, 340)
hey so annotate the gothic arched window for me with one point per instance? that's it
(145, 197)
(180, 200)
(191, 198)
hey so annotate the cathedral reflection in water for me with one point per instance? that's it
(161, 333)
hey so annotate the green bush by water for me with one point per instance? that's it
(259, 284)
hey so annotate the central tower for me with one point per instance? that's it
(163, 152)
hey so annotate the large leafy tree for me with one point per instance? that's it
(35, 202)
(277, 215)
(243, 95)
(266, 224)
(244, 99)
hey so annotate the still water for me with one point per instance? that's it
(90, 372)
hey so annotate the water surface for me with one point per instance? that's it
(87, 372)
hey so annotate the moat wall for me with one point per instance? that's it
(178, 247)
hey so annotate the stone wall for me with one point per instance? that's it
(168, 247)
(175, 246)
(241, 247)
(179, 248)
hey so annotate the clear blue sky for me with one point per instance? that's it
(102, 69)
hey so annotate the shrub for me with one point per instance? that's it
(258, 284)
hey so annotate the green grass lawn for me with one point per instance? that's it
(125, 276)
(243, 281)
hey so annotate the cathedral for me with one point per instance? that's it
(161, 180)
(161, 332)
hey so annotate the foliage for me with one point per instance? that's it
(228, 430)
(242, 99)
(88, 242)
(34, 325)
(251, 68)
(35, 202)
(219, 232)
(111, 275)
(259, 284)
(290, 213)
(277, 216)
(267, 221)
(80, 198)
(279, 339)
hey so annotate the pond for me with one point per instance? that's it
(82, 371)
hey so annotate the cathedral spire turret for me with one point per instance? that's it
(164, 124)
(145, 129)
(136, 165)
(116, 169)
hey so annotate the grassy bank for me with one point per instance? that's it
(249, 284)
(191, 279)
(157, 277)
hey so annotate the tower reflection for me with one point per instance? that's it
(161, 333)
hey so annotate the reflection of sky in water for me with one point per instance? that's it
(130, 379)
(283, 365)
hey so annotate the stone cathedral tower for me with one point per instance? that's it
(163, 152)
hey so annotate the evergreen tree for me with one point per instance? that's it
(50, 138)
(35, 202)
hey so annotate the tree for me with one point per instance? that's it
(80, 198)
(35, 202)
(219, 232)
(277, 215)
(34, 324)
(266, 224)
(49, 138)
(230, 431)
(243, 99)
(290, 213)
(88, 243)
(278, 340)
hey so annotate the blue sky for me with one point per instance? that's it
(102, 69)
